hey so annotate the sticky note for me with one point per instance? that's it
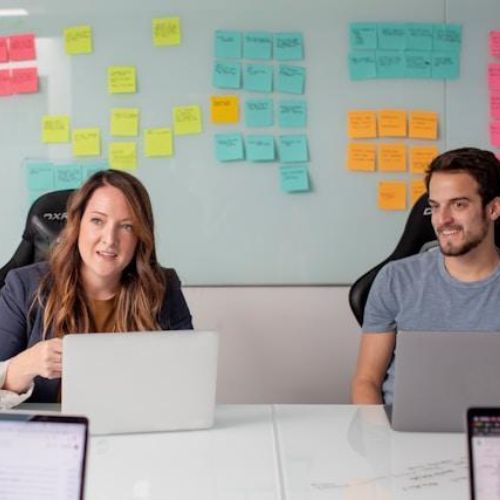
(447, 37)
(419, 36)
(392, 157)
(4, 51)
(227, 44)
(494, 43)
(24, 80)
(55, 129)
(288, 46)
(229, 147)
(258, 78)
(390, 64)
(224, 109)
(78, 40)
(293, 148)
(445, 65)
(495, 133)
(418, 64)
(291, 79)
(166, 31)
(67, 176)
(86, 142)
(362, 65)
(259, 113)
(392, 123)
(361, 124)
(294, 179)
(122, 155)
(494, 76)
(392, 195)
(90, 168)
(187, 120)
(420, 158)
(292, 114)
(257, 45)
(125, 122)
(226, 75)
(22, 47)
(40, 176)
(260, 148)
(361, 157)
(391, 36)
(417, 189)
(5, 82)
(121, 79)
(158, 142)
(494, 103)
(363, 36)
(423, 125)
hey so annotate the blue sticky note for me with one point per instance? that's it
(362, 65)
(447, 37)
(419, 36)
(293, 148)
(229, 147)
(257, 45)
(291, 79)
(391, 36)
(294, 179)
(40, 176)
(292, 114)
(90, 168)
(363, 36)
(227, 44)
(390, 64)
(259, 113)
(227, 75)
(288, 46)
(258, 78)
(260, 148)
(67, 176)
(445, 65)
(418, 64)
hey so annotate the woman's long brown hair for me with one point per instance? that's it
(139, 300)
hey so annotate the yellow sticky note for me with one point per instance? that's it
(361, 124)
(187, 120)
(78, 40)
(158, 142)
(417, 189)
(55, 128)
(86, 142)
(420, 157)
(166, 31)
(122, 155)
(125, 122)
(224, 109)
(361, 157)
(392, 123)
(423, 125)
(392, 157)
(392, 195)
(122, 79)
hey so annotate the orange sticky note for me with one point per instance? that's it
(362, 124)
(420, 157)
(417, 189)
(224, 109)
(423, 125)
(392, 195)
(361, 157)
(392, 157)
(392, 123)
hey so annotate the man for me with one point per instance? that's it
(454, 288)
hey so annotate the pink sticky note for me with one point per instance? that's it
(495, 105)
(494, 76)
(24, 80)
(494, 40)
(22, 47)
(4, 52)
(495, 133)
(5, 82)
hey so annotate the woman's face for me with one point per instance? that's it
(107, 239)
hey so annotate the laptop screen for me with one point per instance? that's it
(42, 457)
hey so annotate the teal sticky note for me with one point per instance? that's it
(362, 65)
(419, 36)
(260, 148)
(363, 36)
(227, 44)
(288, 46)
(391, 36)
(418, 64)
(258, 78)
(90, 168)
(292, 114)
(447, 37)
(445, 65)
(294, 179)
(291, 79)
(259, 113)
(34, 195)
(293, 148)
(67, 176)
(40, 176)
(390, 64)
(257, 45)
(229, 147)
(227, 75)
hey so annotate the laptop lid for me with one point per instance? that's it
(42, 456)
(439, 375)
(141, 381)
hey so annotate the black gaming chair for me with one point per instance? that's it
(45, 220)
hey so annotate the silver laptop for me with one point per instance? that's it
(141, 382)
(439, 375)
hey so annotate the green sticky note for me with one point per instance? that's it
(258, 78)
(260, 148)
(362, 65)
(229, 147)
(288, 46)
(90, 168)
(390, 64)
(294, 179)
(418, 64)
(227, 75)
(227, 44)
(391, 36)
(40, 176)
(67, 176)
(447, 37)
(293, 148)
(445, 65)
(291, 79)
(292, 114)
(363, 36)
(259, 113)
(419, 36)
(257, 45)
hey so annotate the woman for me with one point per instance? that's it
(101, 276)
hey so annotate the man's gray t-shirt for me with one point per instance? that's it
(417, 293)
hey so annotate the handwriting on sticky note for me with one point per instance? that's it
(423, 125)
(293, 148)
(67, 176)
(495, 133)
(121, 79)
(229, 147)
(158, 142)
(4, 52)
(392, 157)
(494, 76)
(260, 148)
(166, 31)
(227, 44)
(361, 157)
(55, 129)
(122, 155)
(40, 176)
(292, 114)
(392, 123)
(22, 47)
(224, 109)
(259, 113)
(392, 195)
(5, 82)
(125, 122)
(288, 46)
(226, 75)
(86, 142)
(494, 43)
(78, 40)
(187, 120)
(24, 80)
(417, 189)
(421, 157)
(294, 179)
(258, 45)
(362, 124)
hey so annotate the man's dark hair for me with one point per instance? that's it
(480, 164)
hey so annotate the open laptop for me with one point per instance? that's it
(141, 381)
(438, 375)
(42, 456)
